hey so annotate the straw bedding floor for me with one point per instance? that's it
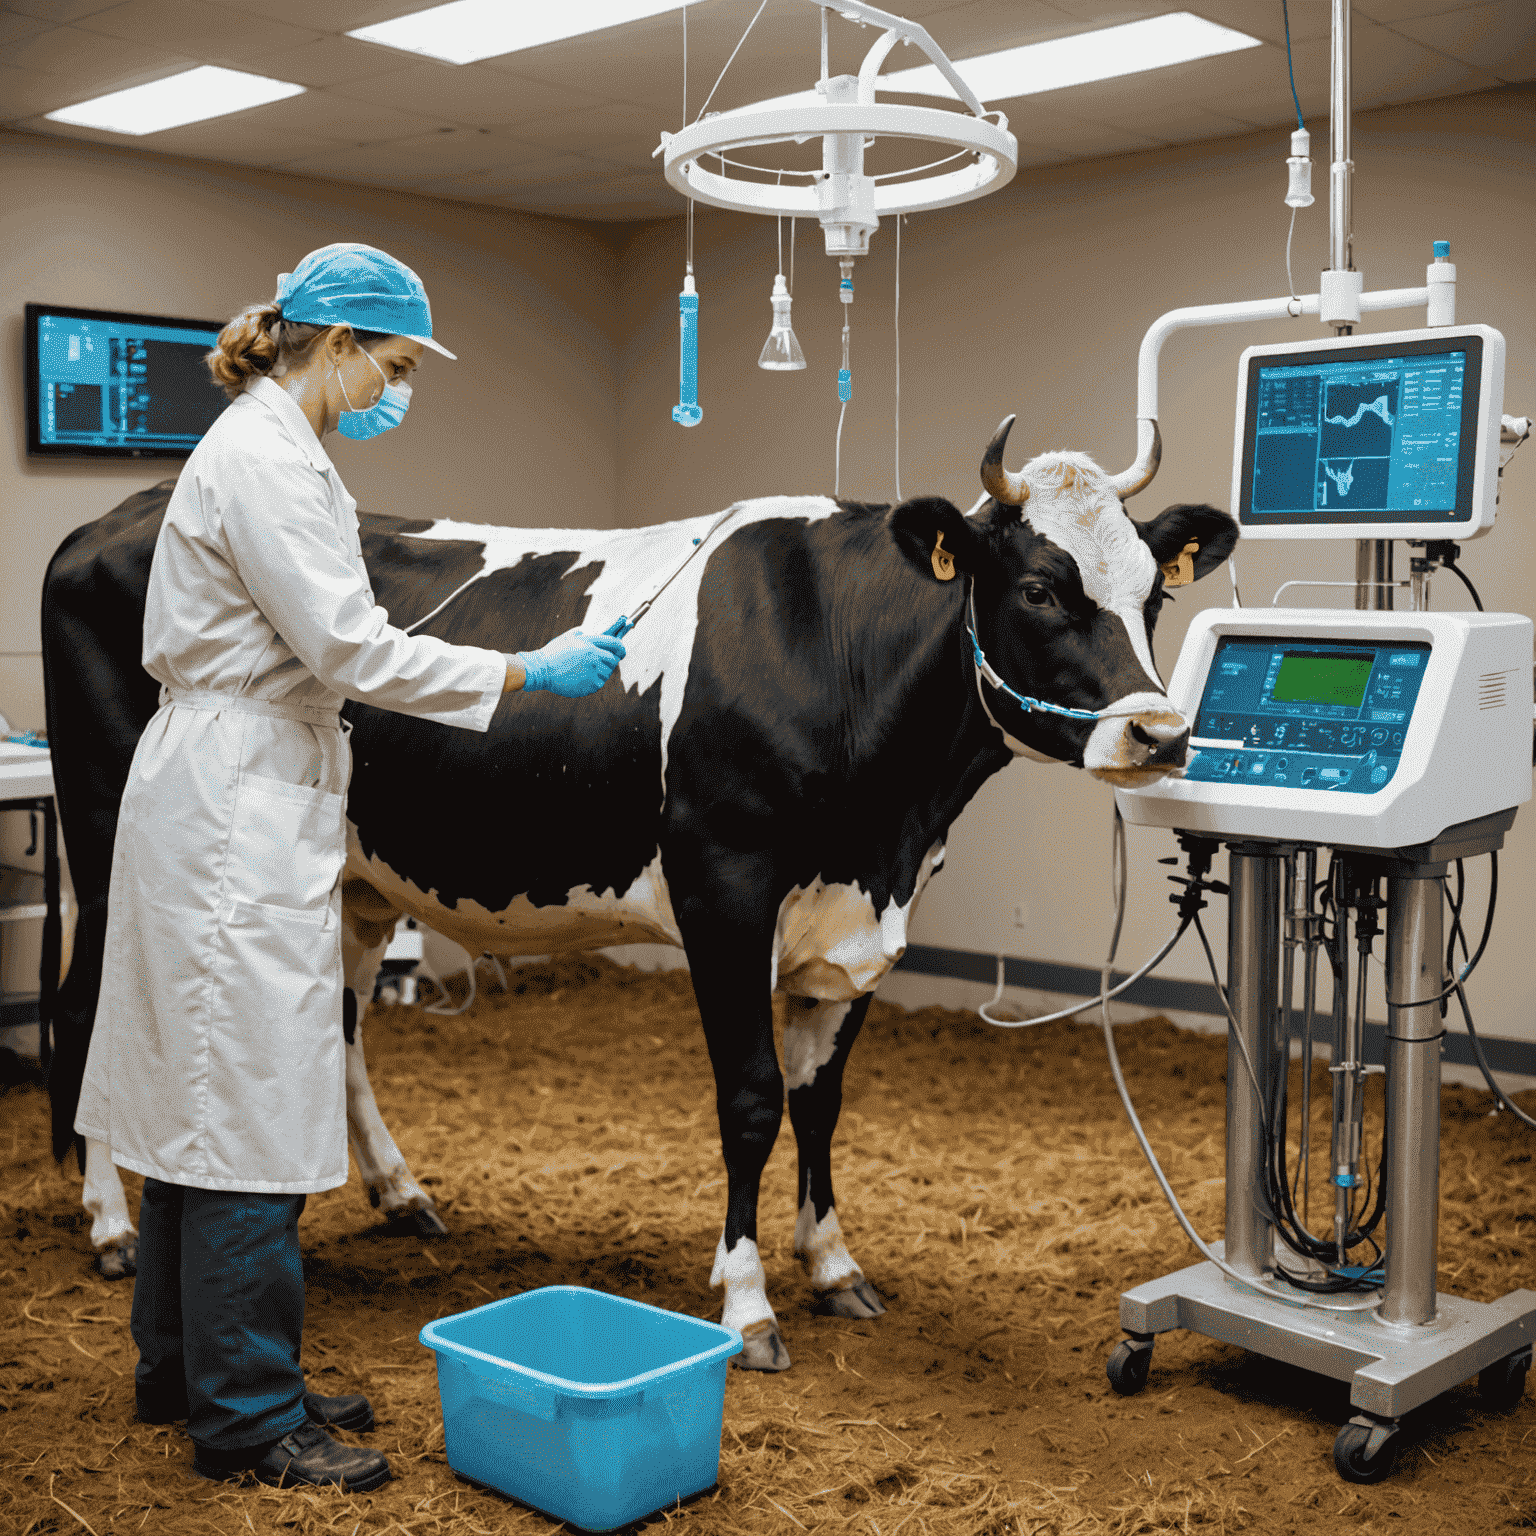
(989, 1187)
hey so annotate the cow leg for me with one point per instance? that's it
(729, 961)
(390, 1185)
(113, 1234)
(817, 1039)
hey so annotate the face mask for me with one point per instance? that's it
(389, 412)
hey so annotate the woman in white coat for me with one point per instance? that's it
(216, 1066)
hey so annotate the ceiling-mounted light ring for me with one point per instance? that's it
(997, 148)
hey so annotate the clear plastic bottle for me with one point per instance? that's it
(781, 352)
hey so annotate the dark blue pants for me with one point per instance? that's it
(218, 1311)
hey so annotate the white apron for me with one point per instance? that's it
(216, 1059)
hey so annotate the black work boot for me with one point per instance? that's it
(351, 1411)
(307, 1457)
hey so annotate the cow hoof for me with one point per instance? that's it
(118, 1261)
(763, 1349)
(858, 1300)
(418, 1219)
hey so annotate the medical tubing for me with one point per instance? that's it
(462, 587)
(1482, 943)
(1087, 1002)
(1267, 1123)
(1285, 14)
(1500, 1098)
(1366, 1304)
(1465, 580)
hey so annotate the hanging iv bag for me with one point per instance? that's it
(781, 352)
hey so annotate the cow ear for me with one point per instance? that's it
(1170, 534)
(936, 537)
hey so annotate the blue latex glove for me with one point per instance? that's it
(571, 665)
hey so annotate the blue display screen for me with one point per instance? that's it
(121, 385)
(1372, 434)
(1306, 714)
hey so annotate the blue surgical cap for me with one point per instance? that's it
(360, 286)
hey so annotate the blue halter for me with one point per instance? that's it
(985, 668)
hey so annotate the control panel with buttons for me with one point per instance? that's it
(1323, 714)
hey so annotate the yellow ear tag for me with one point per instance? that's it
(943, 561)
(1181, 571)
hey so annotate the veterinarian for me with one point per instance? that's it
(216, 1064)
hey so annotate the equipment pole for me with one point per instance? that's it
(1253, 961)
(1415, 960)
(1373, 557)
(1341, 215)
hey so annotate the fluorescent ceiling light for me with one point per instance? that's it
(1126, 50)
(465, 31)
(191, 97)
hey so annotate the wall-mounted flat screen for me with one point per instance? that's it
(1370, 437)
(107, 384)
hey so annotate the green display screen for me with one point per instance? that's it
(1308, 677)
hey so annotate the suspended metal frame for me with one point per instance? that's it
(848, 203)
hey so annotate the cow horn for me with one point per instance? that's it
(1139, 476)
(997, 481)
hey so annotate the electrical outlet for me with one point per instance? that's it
(1021, 917)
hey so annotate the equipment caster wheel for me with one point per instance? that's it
(1128, 1366)
(1503, 1383)
(1364, 1450)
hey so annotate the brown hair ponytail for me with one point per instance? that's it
(259, 341)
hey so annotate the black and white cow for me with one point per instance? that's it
(766, 782)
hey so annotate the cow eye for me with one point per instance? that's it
(1036, 594)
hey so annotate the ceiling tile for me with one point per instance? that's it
(329, 15)
(58, 10)
(467, 93)
(1391, 12)
(1390, 67)
(1188, 125)
(228, 139)
(619, 133)
(984, 26)
(429, 157)
(533, 172)
(326, 115)
(329, 61)
(1044, 123)
(1146, 97)
(1499, 37)
(783, 46)
(67, 50)
(27, 92)
(18, 29)
(1094, 14)
(1264, 19)
(213, 34)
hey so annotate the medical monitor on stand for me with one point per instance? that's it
(1390, 436)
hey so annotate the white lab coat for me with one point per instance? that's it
(217, 1055)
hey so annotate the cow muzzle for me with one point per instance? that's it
(1142, 742)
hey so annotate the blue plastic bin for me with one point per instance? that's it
(594, 1409)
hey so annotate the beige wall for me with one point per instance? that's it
(1035, 300)
(527, 303)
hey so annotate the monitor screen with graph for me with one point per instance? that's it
(109, 384)
(1386, 436)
